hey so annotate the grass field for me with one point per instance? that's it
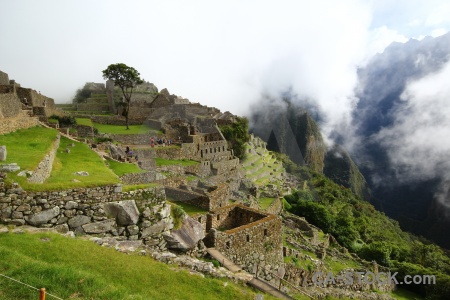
(80, 158)
(265, 202)
(122, 129)
(84, 121)
(191, 210)
(27, 147)
(120, 168)
(77, 269)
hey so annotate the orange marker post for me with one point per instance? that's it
(42, 294)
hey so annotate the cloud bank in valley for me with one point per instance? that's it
(418, 143)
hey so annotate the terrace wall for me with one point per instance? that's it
(21, 121)
(82, 210)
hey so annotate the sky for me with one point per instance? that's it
(219, 53)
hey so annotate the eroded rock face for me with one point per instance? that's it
(187, 237)
(125, 212)
(43, 216)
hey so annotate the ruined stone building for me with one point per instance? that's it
(22, 107)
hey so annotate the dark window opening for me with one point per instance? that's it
(265, 232)
(248, 238)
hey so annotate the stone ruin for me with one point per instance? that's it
(18, 104)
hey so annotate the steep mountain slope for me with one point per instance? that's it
(290, 129)
(392, 154)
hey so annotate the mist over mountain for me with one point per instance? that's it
(291, 125)
(400, 133)
(397, 135)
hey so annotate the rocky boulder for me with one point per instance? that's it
(78, 221)
(116, 152)
(187, 237)
(43, 216)
(125, 212)
(99, 227)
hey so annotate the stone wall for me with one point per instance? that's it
(233, 216)
(132, 139)
(276, 207)
(93, 107)
(43, 170)
(4, 79)
(10, 105)
(104, 211)
(85, 131)
(141, 178)
(22, 121)
(219, 197)
(250, 244)
(179, 195)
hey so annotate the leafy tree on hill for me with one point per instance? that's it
(126, 78)
(237, 135)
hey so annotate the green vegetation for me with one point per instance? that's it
(189, 209)
(237, 135)
(264, 202)
(373, 236)
(167, 162)
(119, 129)
(126, 78)
(80, 158)
(122, 168)
(65, 121)
(177, 213)
(78, 269)
(84, 121)
(402, 294)
(27, 147)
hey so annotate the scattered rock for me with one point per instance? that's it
(125, 212)
(25, 173)
(12, 167)
(187, 237)
(2, 153)
(67, 150)
(82, 173)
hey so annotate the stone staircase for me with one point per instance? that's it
(253, 281)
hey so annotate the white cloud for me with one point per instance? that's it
(418, 143)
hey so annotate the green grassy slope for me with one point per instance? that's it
(78, 269)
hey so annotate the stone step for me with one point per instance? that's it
(268, 288)
(228, 264)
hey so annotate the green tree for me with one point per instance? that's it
(236, 135)
(126, 78)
